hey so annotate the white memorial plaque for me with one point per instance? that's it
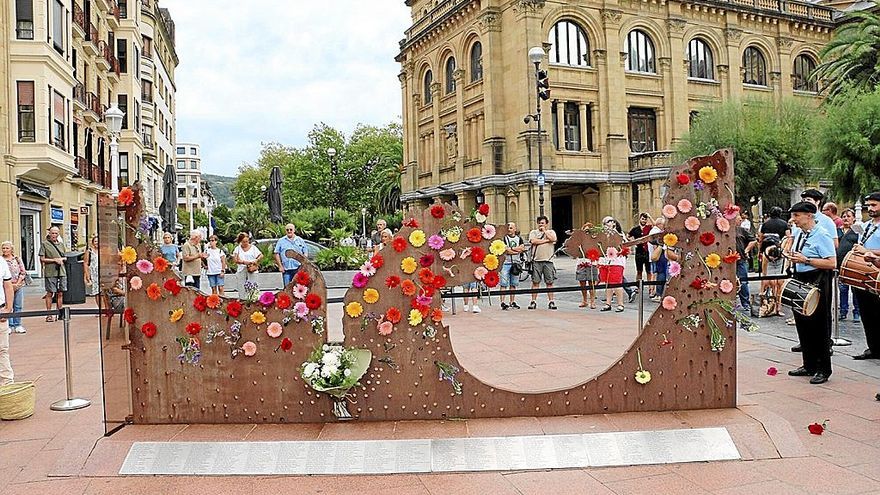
(448, 454)
(292, 458)
(411, 456)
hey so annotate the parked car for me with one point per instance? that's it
(312, 248)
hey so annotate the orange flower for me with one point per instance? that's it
(126, 196)
(154, 292)
(160, 264)
(408, 288)
(437, 314)
(474, 234)
(214, 301)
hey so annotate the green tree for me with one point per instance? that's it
(770, 149)
(852, 57)
(252, 218)
(848, 144)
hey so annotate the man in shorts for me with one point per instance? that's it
(543, 246)
(643, 261)
(54, 274)
(513, 248)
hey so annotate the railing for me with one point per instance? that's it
(110, 58)
(93, 103)
(651, 159)
(82, 167)
(787, 7)
(79, 93)
(114, 9)
(92, 34)
(79, 17)
(436, 13)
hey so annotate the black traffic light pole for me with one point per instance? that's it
(542, 92)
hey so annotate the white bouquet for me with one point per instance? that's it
(334, 369)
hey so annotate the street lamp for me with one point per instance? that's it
(210, 208)
(364, 222)
(334, 169)
(480, 197)
(113, 117)
(189, 202)
(542, 92)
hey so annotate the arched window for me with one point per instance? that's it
(702, 65)
(450, 72)
(640, 51)
(804, 65)
(754, 67)
(476, 62)
(569, 45)
(429, 80)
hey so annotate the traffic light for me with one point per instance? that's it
(543, 85)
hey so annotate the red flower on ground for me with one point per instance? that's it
(283, 301)
(437, 314)
(286, 344)
(129, 316)
(474, 235)
(437, 211)
(313, 301)
(707, 238)
(377, 260)
(193, 328)
(426, 260)
(683, 179)
(160, 264)
(732, 257)
(411, 222)
(172, 286)
(491, 279)
(408, 287)
(399, 244)
(426, 276)
(439, 282)
(392, 281)
(200, 303)
(818, 429)
(483, 209)
(593, 254)
(233, 309)
(772, 371)
(478, 254)
(393, 315)
(149, 329)
(302, 278)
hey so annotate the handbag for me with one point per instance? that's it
(252, 268)
(516, 268)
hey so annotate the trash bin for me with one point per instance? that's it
(76, 285)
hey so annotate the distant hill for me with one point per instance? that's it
(222, 188)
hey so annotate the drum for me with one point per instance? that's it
(801, 297)
(859, 273)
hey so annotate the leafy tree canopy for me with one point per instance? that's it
(852, 57)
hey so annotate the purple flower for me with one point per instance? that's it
(435, 242)
(301, 309)
(360, 280)
(699, 185)
(674, 269)
(267, 298)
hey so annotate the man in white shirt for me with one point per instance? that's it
(6, 295)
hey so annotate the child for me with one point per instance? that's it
(588, 273)
(216, 265)
(611, 272)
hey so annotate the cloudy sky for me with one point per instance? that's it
(267, 70)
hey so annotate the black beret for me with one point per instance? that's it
(803, 207)
(874, 196)
(813, 194)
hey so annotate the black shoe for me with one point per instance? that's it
(607, 307)
(533, 305)
(551, 305)
(632, 297)
(800, 372)
(514, 305)
(796, 348)
(819, 378)
(866, 355)
(504, 306)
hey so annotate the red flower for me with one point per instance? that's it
(200, 303)
(286, 344)
(313, 301)
(377, 260)
(426, 276)
(193, 328)
(439, 282)
(707, 238)
(624, 251)
(683, 179)
(393, 315)
(477, 254)
(428, 290)
(437, 211)
(171, 286)
(160, 264)
(399, 244)
(129, 316)
(411, 223)
(437, 314)
(233, 309)
(732, 257)
(816, 428)
(302, 278)
(214, 301)
(149, 329)
(283, 301)
(126, 196)
(483, 209)
(698, 283)
(474, 234)
(426, 260)
(491, 279)
(408, 288)
(392, 281)
(593, 254)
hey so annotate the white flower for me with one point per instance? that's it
(479, 217)
(310, 369)
(347, 372)
(325, 372)
(330, 359)
(325, 347)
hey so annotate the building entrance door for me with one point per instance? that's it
(30, 242)
(560, 208)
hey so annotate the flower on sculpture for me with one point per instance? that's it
(669, 303)
(392, 281)
(128, 255)
(491, 279)
(669, 211)
(300, 291)
(200, 303)
(267, 298)
(731, 211)
(426, 260)
(692, 223)
(593, 254)
(722, 224)
(707, 238)
(354, 309)
(149, 329)
(415, 317)
(683, 179)
(685, 205)
(399, 244)
(488, 231)
(193, 328)
(497, 247)
(172, 286)
(437, 211)
(643, 376)
(213, 301)
(426, 276)
(713, 260)
(490, 261)
(417, 238)
(129, 316)
(282, 300)
(474, 235)
(385, 328)
(257, 317)
(154, 292)
(480, 272)
(175, 315)
(301, 309)
(708, 174)
(726, 286)
(368, 269)
(274, 330)
(453, 235)
(161, 264)
(286, 344)
(313, 301)
(371, 296)
(249, 348)
(393, 315)
(126, 196)
(436, 242)
(731, 257)
(144, 266)
(477, 254)
(302, 277)
(447, 254)
(673, 269)
(408, 287)
(670, 239)
(377, 261)
(136, 283)
(233, 309)
(408, 265)
(359, 281)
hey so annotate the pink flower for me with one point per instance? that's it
(488, 231)
(673, 269)
(772, 371)
(274, 330)
(447, 254)
(669, 303)
(611, 252)
(726, 286)
(423, 300)
(144, 266)
(249, 348)
(692, 224)
(435, 242)
(480, 272)
(731, 211)
(685, 206)
(385, 328)
(300, 291)
(367, 269)
(722, 224)
(465, 253)
(301, 309)
(669, 211)
(360, 280)
(136, 283)
(267, 298)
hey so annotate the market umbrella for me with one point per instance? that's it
(274, 195)
(168, 208)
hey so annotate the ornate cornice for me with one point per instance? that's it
(528, 6)
(675, 25)
(733, 34)
(611, 16)
(490, 21)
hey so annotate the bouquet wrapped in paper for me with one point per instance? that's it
(334, 370)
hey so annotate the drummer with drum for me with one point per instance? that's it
(813, 259)
(869, 302)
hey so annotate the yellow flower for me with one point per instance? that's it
(129, 255)
(453, 235)
(497, 247)
(708, 174)
(354, 308)
(670, 240)
(491, 261)
(417, 238)
(415, 317)
(713, 260)
(408, 265)
(258, 317)
(643, 376)
(176, 315)
(371, 296)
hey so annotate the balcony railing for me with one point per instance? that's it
(110, 58)
(92, 34)
(114, 9)
(93, 103)
(651, 159)
(79, 93)
(82, 167)
(79, 17)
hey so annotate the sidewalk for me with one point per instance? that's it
(55, 452)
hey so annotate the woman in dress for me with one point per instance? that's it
(19, 276)
(90, 274)
(247, 256)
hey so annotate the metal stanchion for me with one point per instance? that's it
(71, 403)
(641, 305)
(836, 339)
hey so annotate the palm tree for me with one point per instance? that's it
(253, 218)
(388, 175)
(852, 57)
